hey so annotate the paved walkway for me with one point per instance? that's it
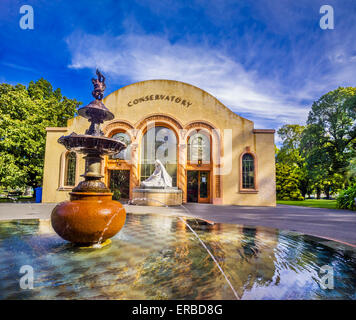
(333, 224)
(329, 223)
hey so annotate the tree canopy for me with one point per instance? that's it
(291, 175)
(331, 130)
(323, 152)
(25, 112)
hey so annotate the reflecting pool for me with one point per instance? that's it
(159, 257)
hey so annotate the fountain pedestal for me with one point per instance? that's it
(157, 197)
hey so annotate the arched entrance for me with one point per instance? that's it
(118, 168)
(199, 166)
(203, 179)
(159, 142)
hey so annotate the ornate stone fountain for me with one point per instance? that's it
(91, 216)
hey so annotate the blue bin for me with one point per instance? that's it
(38, 192)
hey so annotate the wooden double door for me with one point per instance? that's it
(198, 186)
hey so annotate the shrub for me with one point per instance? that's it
(116, 195)
(287, 183)
(346, 198)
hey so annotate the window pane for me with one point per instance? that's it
(199, 148)
(248, 172)
(159, 143)
(126, 153)
(71, 162)
(204, 182)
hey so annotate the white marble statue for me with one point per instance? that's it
(159, 178)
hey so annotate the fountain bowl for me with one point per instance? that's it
(87, 144)
(88, 218)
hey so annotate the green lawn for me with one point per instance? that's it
(5, 200)
(330, 204)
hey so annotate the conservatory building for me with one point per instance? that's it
(212, 154)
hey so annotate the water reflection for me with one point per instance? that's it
(158, 257)
(270, 264)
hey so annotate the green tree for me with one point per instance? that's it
(290, 155)
(291, 135)
(24, 115)
(287, 182)
(351, 172)
(328, 142)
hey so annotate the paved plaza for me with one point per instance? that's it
(329, 223)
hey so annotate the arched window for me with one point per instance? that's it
(70, 168)
(199, 148)
(248, 171)
(159, 143)
(126, 153)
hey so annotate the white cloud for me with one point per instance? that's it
(144, 57)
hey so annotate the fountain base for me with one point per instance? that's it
(157, 197)
(88, 218)
(97, 245)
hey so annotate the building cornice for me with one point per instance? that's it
(56, 129)
(264, 131)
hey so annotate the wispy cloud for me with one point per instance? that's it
(18, 67)
(143, 57)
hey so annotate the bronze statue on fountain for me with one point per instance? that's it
(91, 216)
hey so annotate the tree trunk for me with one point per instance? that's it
(318, 193)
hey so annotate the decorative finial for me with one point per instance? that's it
(99, 86)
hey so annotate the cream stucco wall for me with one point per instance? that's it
(190, 104)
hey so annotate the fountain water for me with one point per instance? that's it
(99, 243)
(91, 215)
(158, 257)
(199, 239)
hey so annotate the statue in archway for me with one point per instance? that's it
(159, 178)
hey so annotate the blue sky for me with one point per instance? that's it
(266, 60)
